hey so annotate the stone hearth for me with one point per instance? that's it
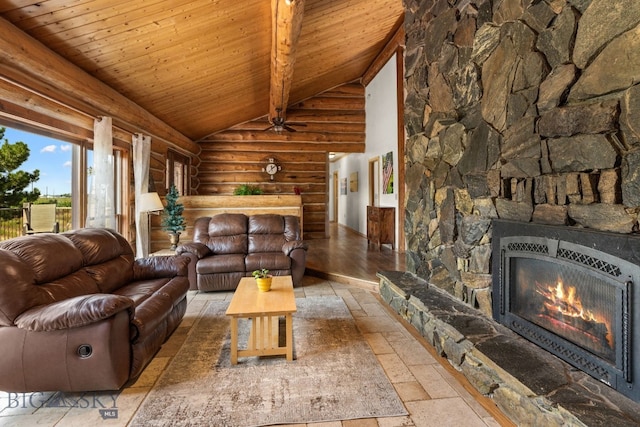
(530, 385)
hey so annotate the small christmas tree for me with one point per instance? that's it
(172, 221)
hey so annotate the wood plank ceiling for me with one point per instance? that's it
(203, 66)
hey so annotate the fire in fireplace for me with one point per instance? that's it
(577, 307)
(571, 291)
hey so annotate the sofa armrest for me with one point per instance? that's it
(200, 250)
(74, 312)
(288, 247)
(160, 267)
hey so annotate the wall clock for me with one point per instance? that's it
(271, 168)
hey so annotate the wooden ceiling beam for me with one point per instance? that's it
(276, 146)
(286, 25)
(390, 49)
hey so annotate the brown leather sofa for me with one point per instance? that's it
(78, 313)
(227, 247)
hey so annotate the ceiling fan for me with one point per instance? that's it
(279, 123)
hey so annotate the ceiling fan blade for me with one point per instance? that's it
(269, 128)
(289, 128)
(297, 124)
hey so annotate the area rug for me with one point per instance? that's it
(334, 376)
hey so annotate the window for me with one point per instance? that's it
(120, 157)
(120, 170)
(178, 172)
(65, 171)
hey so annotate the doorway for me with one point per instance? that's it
(336, 195)
(374, 181)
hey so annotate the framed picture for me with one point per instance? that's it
(387, 173)
(353, 182)
(343, 187)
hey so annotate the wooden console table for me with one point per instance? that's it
(381, 225)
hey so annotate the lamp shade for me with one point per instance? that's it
(150, 202)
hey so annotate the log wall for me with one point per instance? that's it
(335, 122)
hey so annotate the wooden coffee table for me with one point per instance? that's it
(264, 309)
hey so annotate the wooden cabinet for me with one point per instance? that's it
(381, 225)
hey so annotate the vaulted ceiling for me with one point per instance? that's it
(202, 66)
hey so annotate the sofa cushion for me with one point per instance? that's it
(266, 233)
(221, 264)
(228, 244)
(18, 290)
(268, 260)
(50, 256)
(223, 233)
(265, 243)
(75, 284)
(112, 274)
(266, 224)
(73, 312)
(96, 245)
(176, 289)
(139, 291)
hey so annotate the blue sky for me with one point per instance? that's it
(52, 157)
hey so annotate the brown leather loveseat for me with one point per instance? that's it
(78, 313)
(229, 246)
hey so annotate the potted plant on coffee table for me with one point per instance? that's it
(263, 279)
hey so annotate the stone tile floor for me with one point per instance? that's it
(432, 393)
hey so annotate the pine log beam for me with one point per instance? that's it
(299, 136)
(286, 25)
(70, 83)
(297, 146)
(18, 116)
(321, 127)
(389, 50)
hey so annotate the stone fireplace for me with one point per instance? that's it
(513, 111)
(574, 293)
(519, 110)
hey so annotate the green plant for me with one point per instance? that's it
(172, 220)
(15, 183)
(247, 190)
(260, 274)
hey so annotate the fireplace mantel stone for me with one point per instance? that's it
(530, 385)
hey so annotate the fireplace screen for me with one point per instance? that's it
(576, 306)
(572, 293)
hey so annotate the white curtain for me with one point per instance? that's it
(101, 206)
(141, 155)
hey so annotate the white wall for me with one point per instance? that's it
(381, 138)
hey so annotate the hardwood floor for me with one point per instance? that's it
(346, 257)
